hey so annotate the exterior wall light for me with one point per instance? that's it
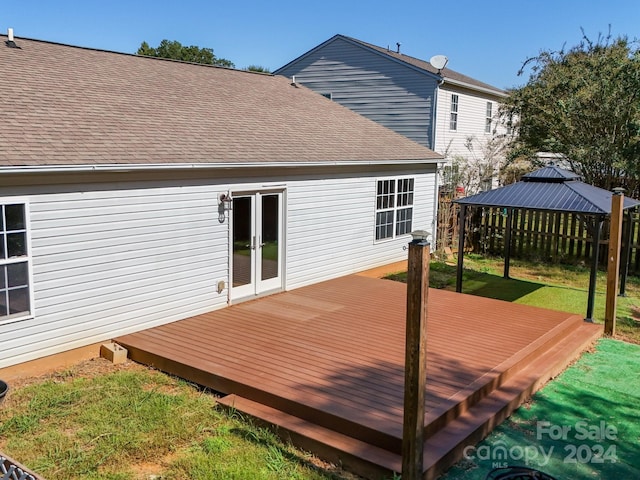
(224, 205)
(420, 236)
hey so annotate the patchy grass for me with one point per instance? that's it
(558, 287)
(131, 422)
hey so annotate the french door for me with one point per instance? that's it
(257, 260)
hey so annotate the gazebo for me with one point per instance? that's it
(549, 189)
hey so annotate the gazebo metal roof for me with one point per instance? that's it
(549, 188)
(552, 189)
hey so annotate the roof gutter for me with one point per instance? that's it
(122, 167)
(475, 87)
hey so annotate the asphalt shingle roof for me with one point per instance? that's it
(65, 105)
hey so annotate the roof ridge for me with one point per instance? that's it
(570, 185)
(135, 55)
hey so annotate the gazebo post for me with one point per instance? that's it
(597, 227)
(626, 253)
(461, 224)
(507, 242)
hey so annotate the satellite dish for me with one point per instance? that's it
(439, 62)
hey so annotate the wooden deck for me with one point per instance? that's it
(325, 364)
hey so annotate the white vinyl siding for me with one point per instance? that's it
(346, 209)
(115, 261)
(471, 121)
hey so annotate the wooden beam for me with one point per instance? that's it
(415, 360)
(613, 261)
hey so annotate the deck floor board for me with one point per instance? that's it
(337, 347)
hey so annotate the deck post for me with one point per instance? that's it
(415, 360)
(613, 260)
(461, 224)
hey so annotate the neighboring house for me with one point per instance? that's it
(446, 111)
(137, 191)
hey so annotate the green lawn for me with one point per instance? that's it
(131, 422)
(558, 287)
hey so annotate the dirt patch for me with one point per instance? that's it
(85, 369)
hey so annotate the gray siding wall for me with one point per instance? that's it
(392, 94)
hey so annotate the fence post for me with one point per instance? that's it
(597, 227)
(626, 254)
(507, 242)
(463, 211)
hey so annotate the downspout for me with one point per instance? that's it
(434, 112)
(436, 197)
(439, 166)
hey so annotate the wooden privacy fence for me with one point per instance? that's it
(558, 237)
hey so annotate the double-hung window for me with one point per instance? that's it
(15, 288)
(453, 120)
(489, 117)
(394, 207)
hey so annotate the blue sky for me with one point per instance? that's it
(487, 40)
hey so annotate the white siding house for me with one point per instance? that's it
(138, 191)
(411, 97)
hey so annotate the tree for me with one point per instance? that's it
(583, 103)
(258, 68)
(176, 51)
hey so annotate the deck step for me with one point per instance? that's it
(444, 446)
(447, 446)
(350, 453)
(437, 417)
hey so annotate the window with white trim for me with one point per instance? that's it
(488, 119)
(394, 207)
(453, 120)
(15, 288)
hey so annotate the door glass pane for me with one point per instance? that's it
(242, 223)
(269, 236)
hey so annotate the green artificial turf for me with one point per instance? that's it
(585, 424)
